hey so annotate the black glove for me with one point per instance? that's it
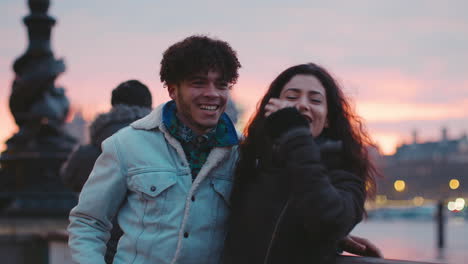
(283, 120)
(331, 152)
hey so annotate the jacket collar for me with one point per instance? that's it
(151, 121)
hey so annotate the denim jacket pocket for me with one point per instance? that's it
(150, 185)
(223, 188)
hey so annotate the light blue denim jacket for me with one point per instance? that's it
(142, 177)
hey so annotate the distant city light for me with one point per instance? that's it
(454, 184)
(451, 206)
(418, 200)
(399, 185)
(381, 199)
(459, 204)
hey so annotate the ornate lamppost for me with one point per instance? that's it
(30, 166)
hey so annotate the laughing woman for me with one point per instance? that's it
(302, 175)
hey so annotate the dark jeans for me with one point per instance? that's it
(116, 233)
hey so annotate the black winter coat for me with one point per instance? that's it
(294, 209)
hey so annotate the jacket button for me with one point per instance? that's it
(185, 234)
(153, 188)
(193, 198)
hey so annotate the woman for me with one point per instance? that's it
(303, 173)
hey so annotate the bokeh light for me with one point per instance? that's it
(454, 184)
(399, 185)
(459, 204)
(451, 205)
(418, 200)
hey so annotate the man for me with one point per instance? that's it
(167, 178)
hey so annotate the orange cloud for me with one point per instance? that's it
(7, 123)
(386, 141)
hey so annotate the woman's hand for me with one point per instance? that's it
(360, 246)
(276, 104)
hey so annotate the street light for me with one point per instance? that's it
(454, 184)
(399, 185)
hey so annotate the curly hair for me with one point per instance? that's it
(199, 54)
(344, 125)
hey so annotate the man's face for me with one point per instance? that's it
(200, 100)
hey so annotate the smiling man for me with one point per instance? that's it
(167, 178)
(200, 100)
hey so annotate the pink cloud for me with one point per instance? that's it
(382, 111)
(380, 84)
(390, 64)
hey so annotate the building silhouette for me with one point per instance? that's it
(454, 150)
(426, 168)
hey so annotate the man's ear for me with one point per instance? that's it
(172, 89)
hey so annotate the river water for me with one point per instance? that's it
(416, 240)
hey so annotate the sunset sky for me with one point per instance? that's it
(404, 64)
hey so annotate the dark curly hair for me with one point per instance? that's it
(344, 125)
(199, 54)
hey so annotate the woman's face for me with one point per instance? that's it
(308, 95)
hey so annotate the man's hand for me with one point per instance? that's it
(360, 246)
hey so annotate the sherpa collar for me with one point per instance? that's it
(151, 121)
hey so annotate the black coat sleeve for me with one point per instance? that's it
(330, 203)
(75, 171)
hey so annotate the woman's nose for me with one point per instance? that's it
(302, 105)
